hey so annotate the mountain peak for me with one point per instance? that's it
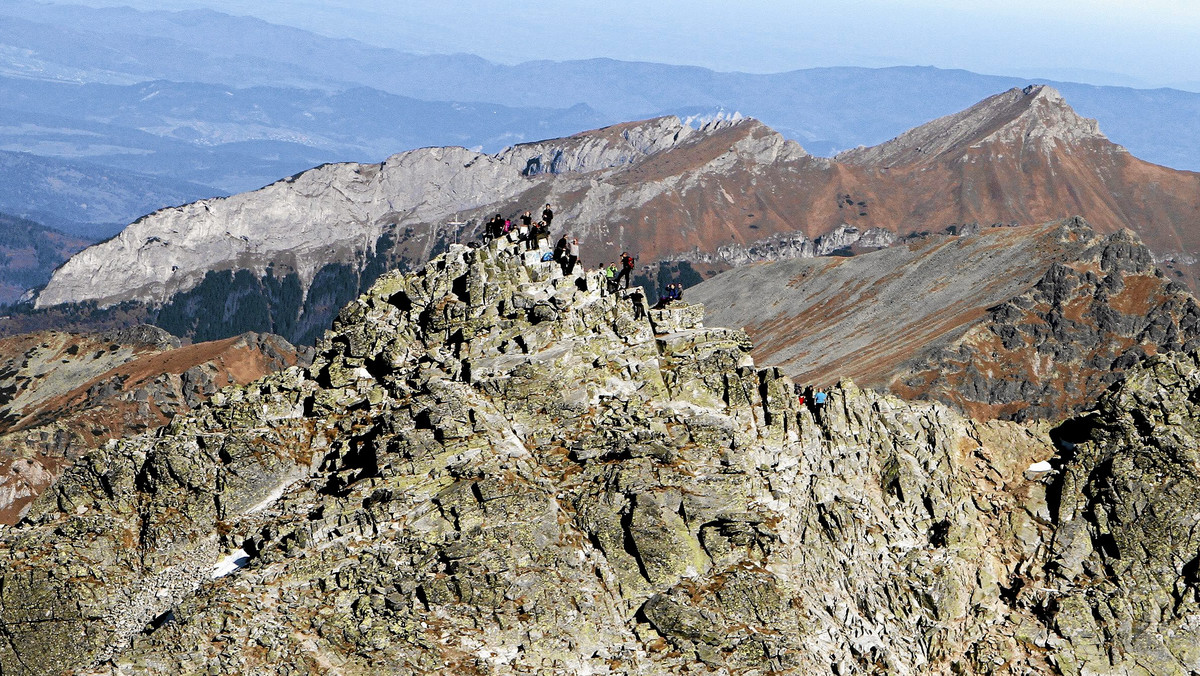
(1036, 117)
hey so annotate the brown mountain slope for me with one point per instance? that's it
(1025, 156)
(63, 394)
(1028, 321)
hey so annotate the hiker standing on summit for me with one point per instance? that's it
(626, 269)
(572, 256)
(547, 216)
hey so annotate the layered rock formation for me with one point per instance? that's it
(63, 394)
(1031, 321)
(722, 195)
(490, 468)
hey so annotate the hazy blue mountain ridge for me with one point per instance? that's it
(826, 109)
(241, 139)
(82, 199)
(29, 252)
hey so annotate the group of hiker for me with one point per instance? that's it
(524, 230)
(566, 250)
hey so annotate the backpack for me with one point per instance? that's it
(547, 257)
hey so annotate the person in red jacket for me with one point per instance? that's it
(627, 262)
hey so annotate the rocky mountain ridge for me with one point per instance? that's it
(334, 213)
(697, 200)
(1025, 322)
(493, 468)
(1037, 114)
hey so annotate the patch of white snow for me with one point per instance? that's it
(236, 561)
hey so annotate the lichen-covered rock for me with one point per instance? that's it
(462, 483)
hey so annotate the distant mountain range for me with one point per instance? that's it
(690, 202)
(825, 109)
(241, 139)
(84, 199)
(122, 112)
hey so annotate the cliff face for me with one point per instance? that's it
(726, 194)
(335, 213)
(1123, 558)
(490, 468)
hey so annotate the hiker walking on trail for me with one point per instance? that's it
(818, 404)
(627, 262)
(547, 216)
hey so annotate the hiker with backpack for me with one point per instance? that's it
(818, 404)
(627, 263)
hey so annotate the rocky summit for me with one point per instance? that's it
(493, 468)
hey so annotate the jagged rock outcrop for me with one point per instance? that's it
(1123, 596)
(492, 468)
(1046, 352)
(1015, 322)
(725, 194)
(63, 394)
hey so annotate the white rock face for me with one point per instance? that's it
(333, 213)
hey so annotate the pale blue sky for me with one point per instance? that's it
(1137, 42)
